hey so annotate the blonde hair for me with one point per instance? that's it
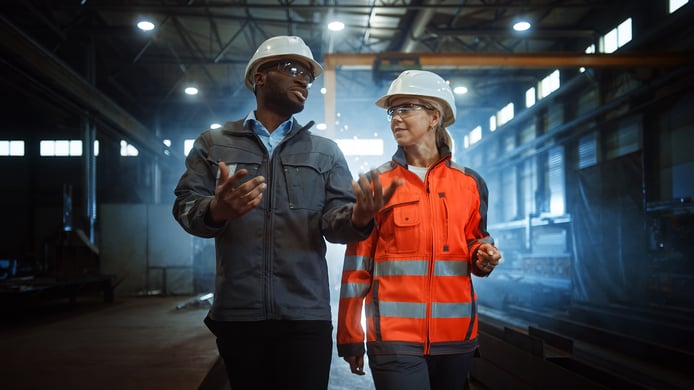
(443, 137)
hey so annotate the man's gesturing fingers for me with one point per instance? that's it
(231, 201)
(370, 200)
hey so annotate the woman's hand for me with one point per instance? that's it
(488, 257)
(356, 364)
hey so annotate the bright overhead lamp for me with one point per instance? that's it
(191, 91)
(145, 25)
(521, 25)
(336, 26)
(460, 90)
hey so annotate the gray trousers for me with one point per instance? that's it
(407, 372)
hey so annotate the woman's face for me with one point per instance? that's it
(412, 121)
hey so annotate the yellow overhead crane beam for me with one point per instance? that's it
(520, 60)
(336, 61)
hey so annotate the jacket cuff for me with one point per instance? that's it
(207, 219)
(356, 349)
(365, 231)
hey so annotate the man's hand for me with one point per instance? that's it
(369, 200)
(356, 364)
(230, 202)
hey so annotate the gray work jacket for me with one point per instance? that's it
(271, 262)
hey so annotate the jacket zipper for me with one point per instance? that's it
(267, 250)
(430, 232)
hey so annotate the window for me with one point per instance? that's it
(128, 150)
(587, 151)
(530, 97)
(549, 84)
(475, 135)
(617, 37)
(674, 5)
(609, 42)
(624, 139)
(555, 165)
(505, 114)
(624, 33)
(11, 148)
(60, 148)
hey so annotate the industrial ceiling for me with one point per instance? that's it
(64, 59)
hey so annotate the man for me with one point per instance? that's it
(269, 192)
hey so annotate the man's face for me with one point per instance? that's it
(285, 85)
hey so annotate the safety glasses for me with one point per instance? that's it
(291, 68)
(404, 110)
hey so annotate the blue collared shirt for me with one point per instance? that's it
(270, 140)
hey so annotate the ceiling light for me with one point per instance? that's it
(145, 25)
(191, 91)
(521, 25)
(336, 26)
(215, 126)
(460, 90)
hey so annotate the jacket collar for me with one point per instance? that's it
(237, 127)
(400, 159)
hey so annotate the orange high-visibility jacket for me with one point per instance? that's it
(413, 271)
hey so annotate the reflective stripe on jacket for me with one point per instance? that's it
(413, 272)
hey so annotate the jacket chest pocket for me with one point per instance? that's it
(237, 159)
(252, 168)
(404, 228)
(305, 183)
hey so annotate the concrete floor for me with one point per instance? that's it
(132, 343)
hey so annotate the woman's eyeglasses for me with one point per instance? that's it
(291, 68)
(405, 110)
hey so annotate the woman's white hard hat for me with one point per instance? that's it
(422, 83)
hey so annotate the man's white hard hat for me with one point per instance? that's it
(275, 48)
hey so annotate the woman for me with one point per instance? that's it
(413, 272)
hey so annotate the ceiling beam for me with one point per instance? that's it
(502, 60)
(118, 5)
(517, 60)
(503, 32)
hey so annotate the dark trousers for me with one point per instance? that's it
(405, 372)
(275, 354)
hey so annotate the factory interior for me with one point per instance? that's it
(577, 113)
